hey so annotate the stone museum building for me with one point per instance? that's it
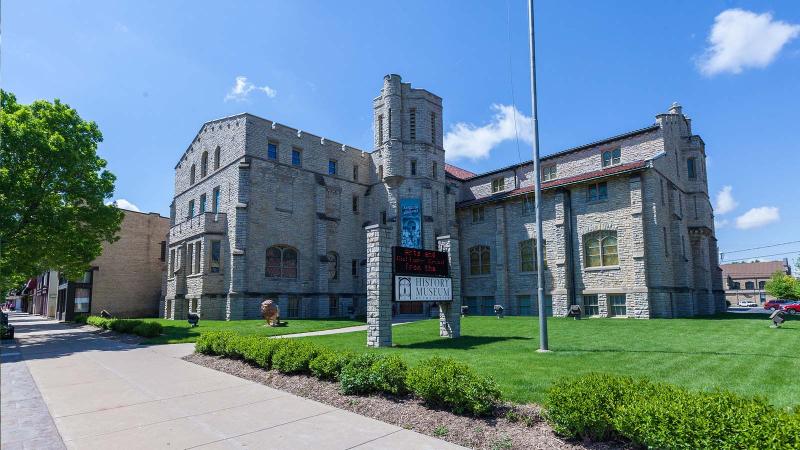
(262, 209)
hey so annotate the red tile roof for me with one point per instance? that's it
(457, 172)
(752, 270)
(623, 168)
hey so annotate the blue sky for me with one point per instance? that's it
(150, 73)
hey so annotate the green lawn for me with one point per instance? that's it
(177, 331)
(737, 352)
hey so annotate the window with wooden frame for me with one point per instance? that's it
(600, 248)
(479, 260)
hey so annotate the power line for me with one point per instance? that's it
(762, 256)
(759, 248)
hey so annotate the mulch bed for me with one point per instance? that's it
(526, 430)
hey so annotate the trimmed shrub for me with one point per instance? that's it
(213, 343)
(659, 415)
(389, 374)
(294, 356)
(328, 364)
(584, 407)
(447, 383)
(99, 322)
(80, 318)
(369, 373)
(259, 351)
(148, 329)
(124, 326)
(356, 377)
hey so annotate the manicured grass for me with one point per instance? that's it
(177, 331)
(733, 351)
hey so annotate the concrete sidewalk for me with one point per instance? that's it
(99, 393)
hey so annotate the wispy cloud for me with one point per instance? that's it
(742, 39)
(121, 203)
(725, 201)
(468, 141)
(242, 88)
(758, 217)
(720, 223)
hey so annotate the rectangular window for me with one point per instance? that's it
(215, 200)
(528, 204)
(272, 150)
(478, 214)
(163, 256)
(293, 306)
(215, 262)
(380, 129)
(433, 128)
(590, 307)
(190, 253)
(527, 255)
(412, 123)
(383, 217)
(354, 268)
(297, 157)
(82, 298)
(355, 204)
(549, 173)
(191, 209)
(333, 306)
(171, 262)
(663, 201)
(690, 168)
(434, 169)
(596, 192)
(487, 306)
(332, 167)
(498, 185)
(611, 157)
(413, 167)
(472, 305)
(202, 203)
(616, 305)
(524, 305)
(197, 251)
(355, 173)
(666, 244)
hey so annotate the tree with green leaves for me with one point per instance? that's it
(783, 286)
(53, 188)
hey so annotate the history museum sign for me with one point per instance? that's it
(421, 275)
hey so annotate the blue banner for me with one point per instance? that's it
(411, 223)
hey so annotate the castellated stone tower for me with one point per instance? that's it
(409, 159)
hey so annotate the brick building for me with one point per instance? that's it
(745, 281)
(126, 279)
(263, 209)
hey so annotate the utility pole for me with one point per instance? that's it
(537, 175)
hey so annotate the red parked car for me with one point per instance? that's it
(774, 305)
(792, 308)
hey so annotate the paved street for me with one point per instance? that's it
(66, 387)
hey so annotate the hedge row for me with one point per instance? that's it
(664, 416)
(440, 382)
(132, 326)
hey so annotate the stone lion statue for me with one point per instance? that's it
(270, 312)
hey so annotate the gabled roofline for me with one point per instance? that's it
(645, 130)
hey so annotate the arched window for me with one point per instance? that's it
(527, 255)
(600, 248)
(192, 174)
(611, 157)
(216, 159)
(204, 165)
(333, 266)
(281, 262)
(479, 260)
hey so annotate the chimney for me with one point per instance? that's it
(675, 108)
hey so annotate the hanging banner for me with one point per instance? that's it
(410, 223)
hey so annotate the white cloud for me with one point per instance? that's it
(758, 217)
(741, 39)
(242, 88)
(121, 203)
(725, 201)
(468, 141)
(720, 223)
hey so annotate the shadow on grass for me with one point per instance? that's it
(675, 352)
(739, 316)
(462, 343)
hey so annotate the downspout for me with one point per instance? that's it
(569, 251)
